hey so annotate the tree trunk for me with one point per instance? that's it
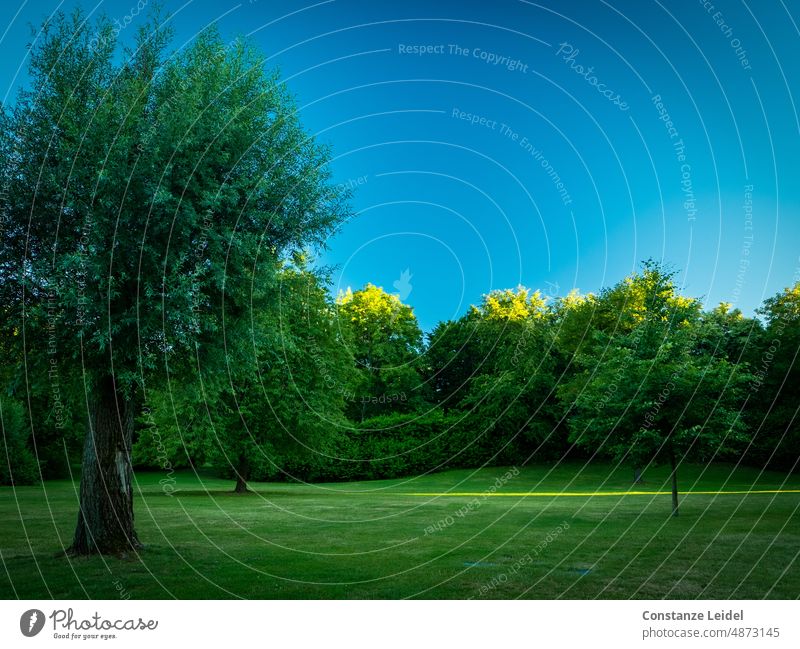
(674, 474)
(242, 475)
(637, 475)
(105, 518)
(371, 376)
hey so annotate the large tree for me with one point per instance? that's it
(148, 193)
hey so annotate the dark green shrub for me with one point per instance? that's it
(387, 446)
(18, 465)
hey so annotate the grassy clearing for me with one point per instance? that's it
(375, 540)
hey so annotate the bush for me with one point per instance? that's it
(387, 446)
(393, 446)
(18, 466)
(401, 444)
(396, 445)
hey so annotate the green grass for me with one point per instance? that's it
(369, 540)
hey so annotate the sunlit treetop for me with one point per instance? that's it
(650, 296)
(575, 299)
(376, 316)
(512, 305)
(726, 311)
(374, 304)
(784, 306)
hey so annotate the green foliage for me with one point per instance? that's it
(509, 305)
(387, 446)
(173, 183)
(496, 365)
(286, 400)
(511, 396)
(406, 444)
(173, 430)
(727, 333)
(177, 191)
(773, 403)
(576, 317)
(386, 343)
(18, 465)
(278, 404)
(452, 358)
(167, 191)
(648, 392)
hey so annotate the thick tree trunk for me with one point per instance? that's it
(242, 475)
(674, 474)
(105, 519)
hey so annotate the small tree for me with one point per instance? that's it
(649, 395)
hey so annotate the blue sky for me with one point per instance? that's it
(485, 153)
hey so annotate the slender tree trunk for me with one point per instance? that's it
(105, 518)
(674, 474)
(242, 475)
(371, 383)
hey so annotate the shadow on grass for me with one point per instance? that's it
(230, 493)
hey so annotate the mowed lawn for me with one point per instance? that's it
(379, 540)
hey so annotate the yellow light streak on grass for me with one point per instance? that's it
(589, 494)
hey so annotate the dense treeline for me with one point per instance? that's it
(638, 373)
(350, 388)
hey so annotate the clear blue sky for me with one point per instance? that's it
(471, 207)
